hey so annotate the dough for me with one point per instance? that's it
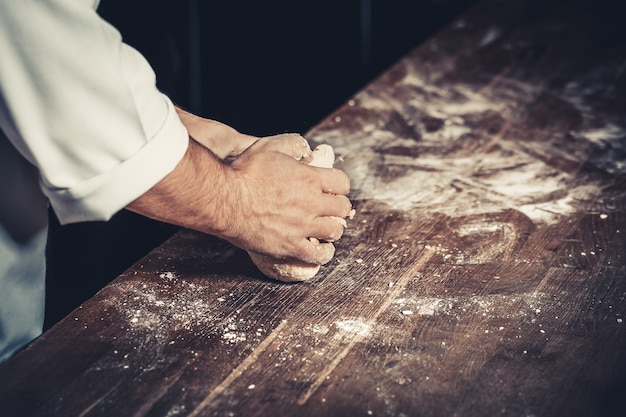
(293, 271)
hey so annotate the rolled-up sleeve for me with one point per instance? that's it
(83, 107)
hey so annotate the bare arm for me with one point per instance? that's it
(265, 201)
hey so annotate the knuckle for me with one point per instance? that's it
(343, 181)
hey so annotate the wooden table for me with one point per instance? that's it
(484, 273)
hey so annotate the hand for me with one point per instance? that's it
(222, 140)
(265, 201)
(279, 203)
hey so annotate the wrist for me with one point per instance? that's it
(191, 196)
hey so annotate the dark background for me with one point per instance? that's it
(263, 67)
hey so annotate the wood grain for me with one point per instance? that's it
(484, 273)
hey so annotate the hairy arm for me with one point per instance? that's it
(264, 201)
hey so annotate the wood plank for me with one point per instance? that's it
(483, 274)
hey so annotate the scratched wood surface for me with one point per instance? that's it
(483, 275)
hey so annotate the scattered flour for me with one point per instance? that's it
(317, 328)
(176, 410)
(235, 330)
(492, 34)
(167, 275)
(424, 168)
(494, 306)
(356, 327)
(160, 311)
(603, 134)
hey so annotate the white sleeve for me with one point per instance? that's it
(83, 107)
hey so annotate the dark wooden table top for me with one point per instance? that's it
(484, 273)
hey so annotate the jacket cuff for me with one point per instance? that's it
(100, 197)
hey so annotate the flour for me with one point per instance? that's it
(492, 34)
(167, 275)
(469, 229)
(413, 139)
(604, 134)
(231, 334)
(158, 310)
(495, 306)
(234, 329)
(356, 327)
(176, 410)
(551, 211)
(317, 328)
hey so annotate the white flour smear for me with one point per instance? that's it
(495, 306)
(423, 167)
(356, 327)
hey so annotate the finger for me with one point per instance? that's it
(333, 181)
(333, 205)
(290, 144)
(328, 229)
(315, 252)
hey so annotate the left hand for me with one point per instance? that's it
(222, 140)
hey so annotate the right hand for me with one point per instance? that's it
(275, 203)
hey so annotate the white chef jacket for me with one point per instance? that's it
(83, 125)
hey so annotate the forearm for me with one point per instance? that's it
(190, 195)
(265, 201)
